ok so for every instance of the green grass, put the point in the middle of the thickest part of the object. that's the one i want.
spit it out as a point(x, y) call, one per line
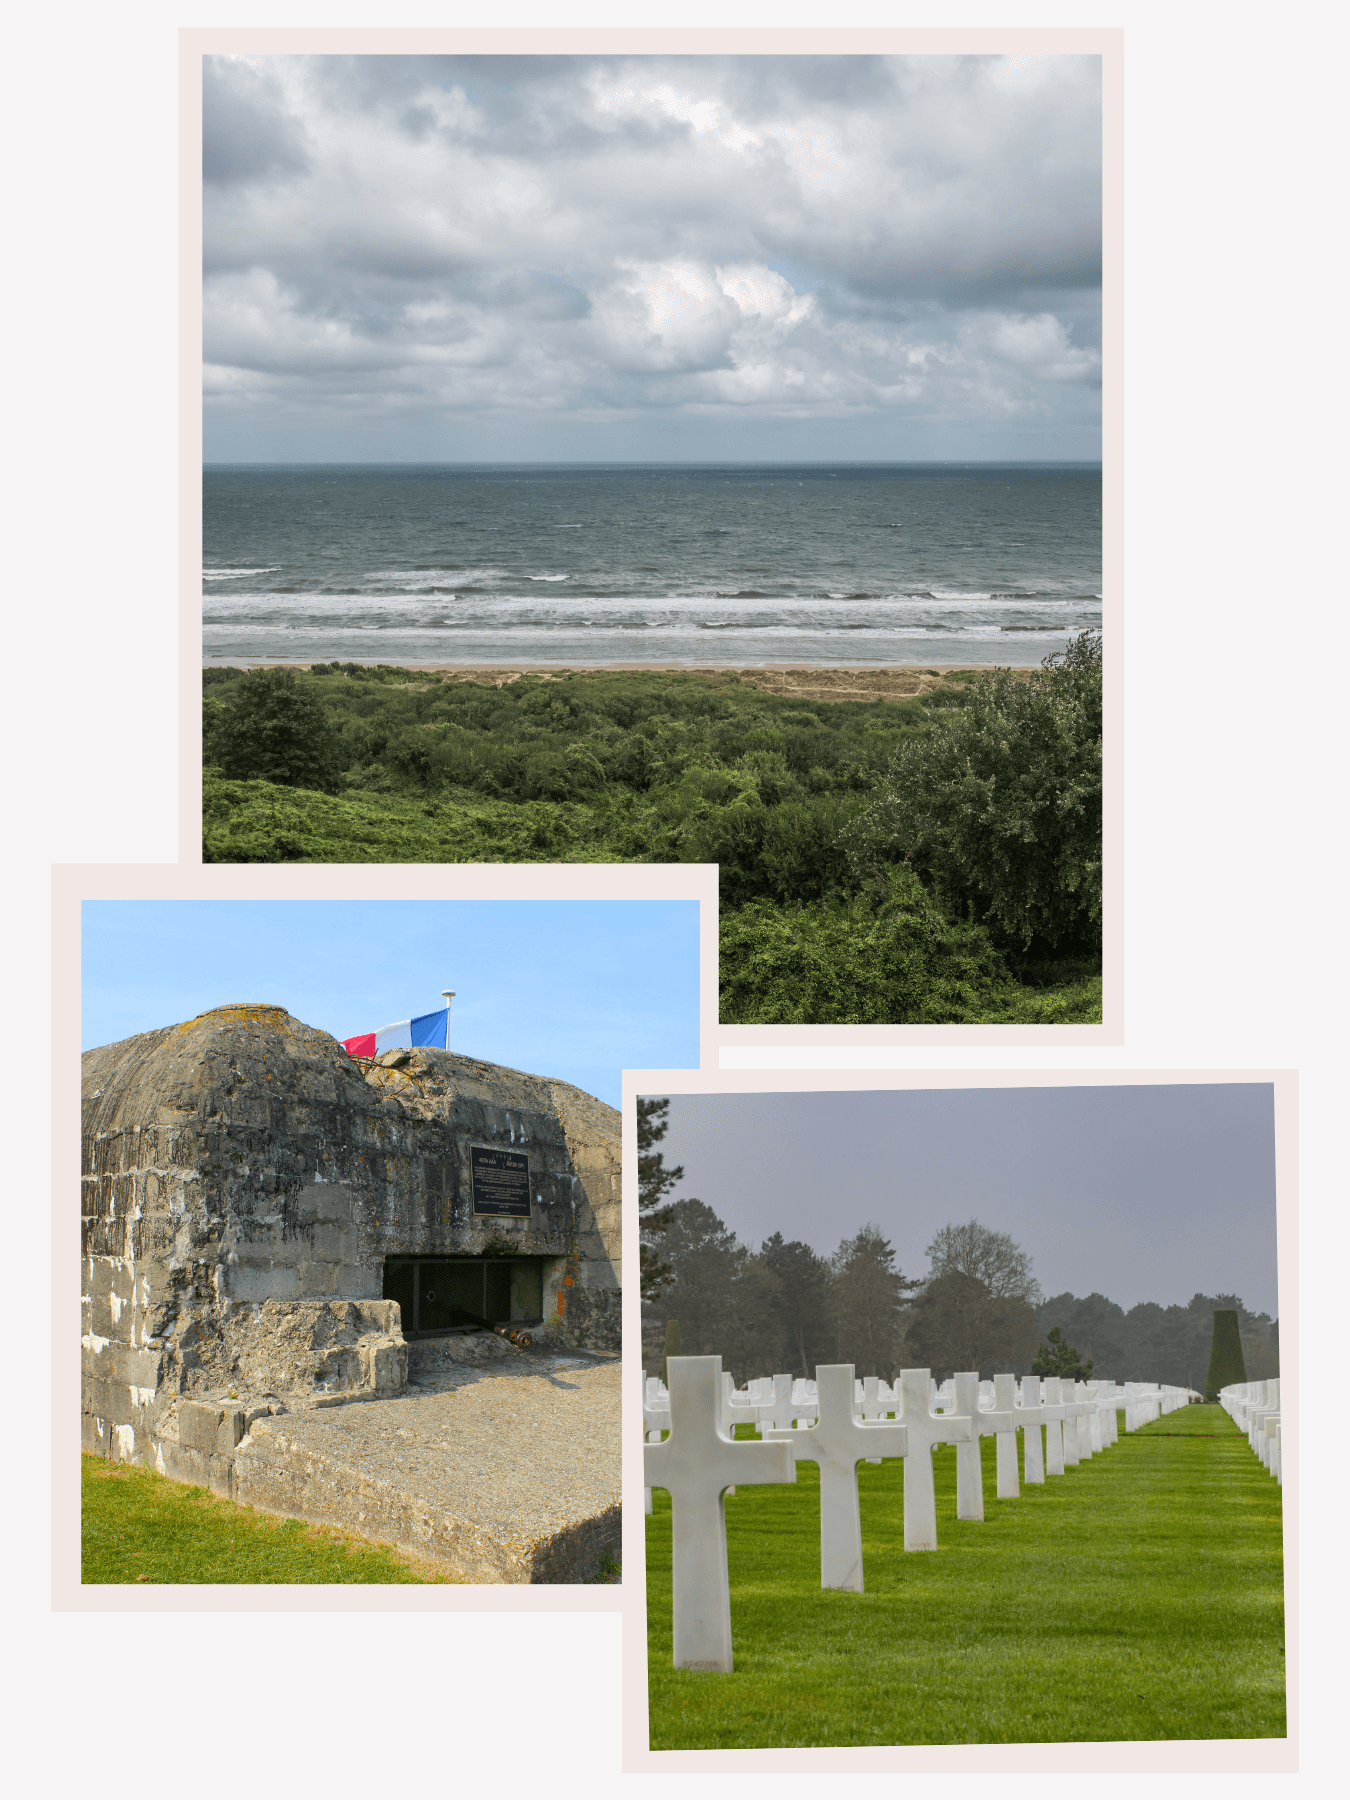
point(1139, 1595)
point(136, 1526)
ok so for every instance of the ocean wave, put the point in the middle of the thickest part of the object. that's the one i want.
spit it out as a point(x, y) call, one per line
point(436, 575)
point(550, 611)
point(234, 574)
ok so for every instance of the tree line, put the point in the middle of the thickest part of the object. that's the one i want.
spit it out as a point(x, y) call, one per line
point(784, 1308)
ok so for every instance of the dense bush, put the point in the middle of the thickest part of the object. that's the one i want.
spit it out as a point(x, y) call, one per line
point(869, 960)
point(271, 727)
point(1001, 804)
point(350, 764)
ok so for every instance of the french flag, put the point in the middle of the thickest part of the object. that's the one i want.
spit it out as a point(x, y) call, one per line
point(432, 1031)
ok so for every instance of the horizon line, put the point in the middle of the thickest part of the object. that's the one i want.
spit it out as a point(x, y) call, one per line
point(651, 463)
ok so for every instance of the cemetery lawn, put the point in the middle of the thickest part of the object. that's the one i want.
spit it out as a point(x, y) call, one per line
point(1139, 1595)
point(137, 1526)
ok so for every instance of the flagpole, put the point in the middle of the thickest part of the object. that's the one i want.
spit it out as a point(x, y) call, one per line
point(447, 995)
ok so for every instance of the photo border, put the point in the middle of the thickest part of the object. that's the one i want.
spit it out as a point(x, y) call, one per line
point(754, 40)
point(72, 885)
point(1247, 1756)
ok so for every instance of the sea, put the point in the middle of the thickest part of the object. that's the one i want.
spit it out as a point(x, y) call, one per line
point(580, 564)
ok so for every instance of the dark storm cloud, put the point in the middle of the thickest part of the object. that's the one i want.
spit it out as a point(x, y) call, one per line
point(778, 237)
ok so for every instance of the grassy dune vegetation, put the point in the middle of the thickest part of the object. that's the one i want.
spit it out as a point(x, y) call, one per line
point(1139, 1595)
point(934, 859)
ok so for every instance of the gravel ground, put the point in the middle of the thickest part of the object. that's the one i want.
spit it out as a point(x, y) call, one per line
point(518, 1450)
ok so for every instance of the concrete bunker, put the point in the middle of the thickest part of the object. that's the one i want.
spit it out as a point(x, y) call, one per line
point(268, 1224)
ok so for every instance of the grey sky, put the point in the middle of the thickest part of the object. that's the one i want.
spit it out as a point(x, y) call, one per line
point(1138, 1193)
point(579, 258)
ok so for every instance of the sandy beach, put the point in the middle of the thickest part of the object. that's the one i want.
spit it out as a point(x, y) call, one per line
point(798, 682)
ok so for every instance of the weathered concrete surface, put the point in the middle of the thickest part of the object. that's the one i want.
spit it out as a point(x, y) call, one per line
point(506, 1471)
point(244, 1182)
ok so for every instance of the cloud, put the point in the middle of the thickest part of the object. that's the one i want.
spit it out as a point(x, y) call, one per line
point(247, 132)
point(776, 237)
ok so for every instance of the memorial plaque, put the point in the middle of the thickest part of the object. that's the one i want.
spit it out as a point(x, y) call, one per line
point(501, 1182)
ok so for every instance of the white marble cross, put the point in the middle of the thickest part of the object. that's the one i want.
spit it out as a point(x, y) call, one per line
point(1005, 1451)
point(780, 1411)
point(696, 1464)
point(1053, 1410)
point(655, 1419)
point(969, 1473)
point(925, 1428)
point(1089, 1441)
point(1076, 1447)
point(655, 1409)
point(838, 1442)
point(1031, 1414)
point(875, 1404)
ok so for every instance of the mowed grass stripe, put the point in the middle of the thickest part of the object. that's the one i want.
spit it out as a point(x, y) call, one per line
point(1139, 1595)
point(136, 1526)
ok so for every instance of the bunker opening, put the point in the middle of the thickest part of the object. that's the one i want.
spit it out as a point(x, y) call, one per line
point(440, 1295)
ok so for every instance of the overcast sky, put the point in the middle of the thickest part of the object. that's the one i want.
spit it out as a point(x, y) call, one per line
point(573, 989)
point(651, 258)
point(1138, 1193)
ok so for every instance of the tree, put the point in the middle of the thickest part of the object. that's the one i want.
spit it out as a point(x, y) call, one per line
point(271, 728)
point(1055, 1357)
point(655, 1181)
point(704, 1261)
point(990, 1257)
point(1225, 1356)
point(957, 1324)
point(671, 1348)
point(865, 1300)
point(1096, 1323)
point(1000, 805)
point(805, 1278)
point(752, 1332)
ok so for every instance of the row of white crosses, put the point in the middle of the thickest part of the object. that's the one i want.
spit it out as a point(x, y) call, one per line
point(1254, 1406)
point(837, 1422)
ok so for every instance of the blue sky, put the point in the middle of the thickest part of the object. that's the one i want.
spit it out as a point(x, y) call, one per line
point(651, 258)
point(577, 990)
point(1138, 1193)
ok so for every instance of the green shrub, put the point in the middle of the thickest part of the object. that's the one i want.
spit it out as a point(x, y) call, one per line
point(1001, 804)
point(888, 958)
point(271, 727)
